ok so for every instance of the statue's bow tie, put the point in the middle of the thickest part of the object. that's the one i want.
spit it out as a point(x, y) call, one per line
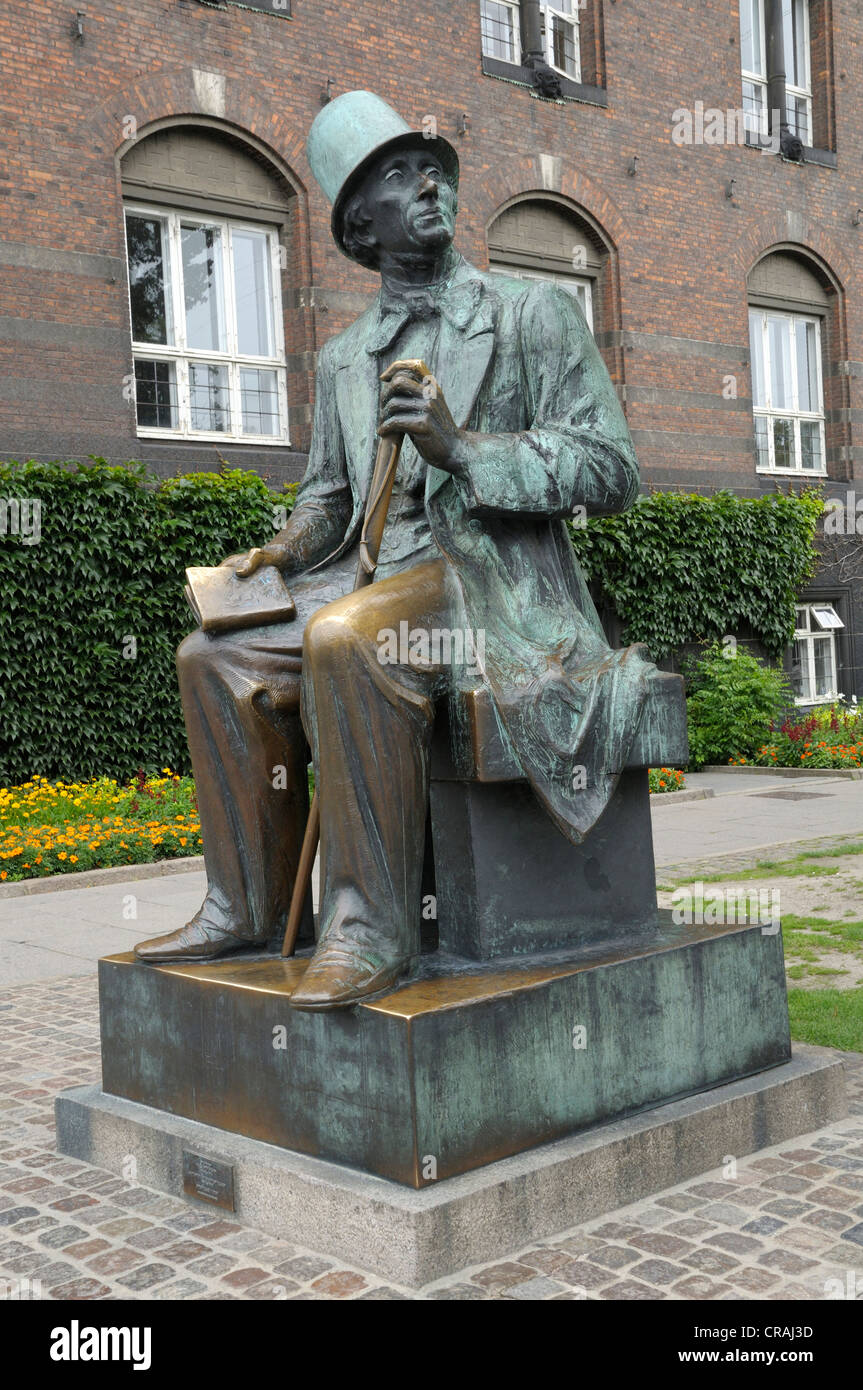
point(457, 303)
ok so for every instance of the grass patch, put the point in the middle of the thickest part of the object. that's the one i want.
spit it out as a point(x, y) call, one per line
point(767, 868)
point(827, 1017)
point(806, 938)
point(846, 936)
point(799, 866)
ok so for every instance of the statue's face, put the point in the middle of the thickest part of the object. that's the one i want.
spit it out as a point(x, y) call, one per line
point(409, 203)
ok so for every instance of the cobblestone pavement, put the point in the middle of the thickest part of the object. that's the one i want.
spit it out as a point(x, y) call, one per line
point(787, 1225)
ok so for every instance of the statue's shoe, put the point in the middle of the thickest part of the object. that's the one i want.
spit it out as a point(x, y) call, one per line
point(337, 977)
point(197, 940)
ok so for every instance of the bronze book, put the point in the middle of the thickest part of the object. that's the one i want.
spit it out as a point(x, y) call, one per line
point(222, 603)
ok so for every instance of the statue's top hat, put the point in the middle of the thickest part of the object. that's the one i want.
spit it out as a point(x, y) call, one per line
point(346, 137)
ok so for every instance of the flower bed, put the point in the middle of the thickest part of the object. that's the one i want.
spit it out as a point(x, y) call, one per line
point(666, 779)
point(64, 827)
point(829, 737)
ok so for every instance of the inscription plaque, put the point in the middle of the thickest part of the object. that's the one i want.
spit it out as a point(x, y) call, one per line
point(209, 1180)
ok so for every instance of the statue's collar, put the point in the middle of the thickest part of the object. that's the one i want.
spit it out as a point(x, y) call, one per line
point(456, 298)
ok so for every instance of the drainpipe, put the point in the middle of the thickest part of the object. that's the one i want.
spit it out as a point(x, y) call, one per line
point(790, 145)
point(532, 49)
point(545, 79)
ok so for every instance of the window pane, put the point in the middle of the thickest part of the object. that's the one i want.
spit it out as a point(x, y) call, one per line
point(797, 109)
point(810, 446)
point(254, 299)
point(779, 350)
point(826, 617)
point(260, 401)
point(156, 395)
point(762, 442)
point(755, 109)
point(794, 31)
point(563, 53)
point(806, 336)
point(499, 31)
point(756, 349)
point(783, 443)
point(202, 287)
point(146, 243)
point(750, 37)
point(800, 671)
point(823, 653)
point(208, 397)
point(582, 291)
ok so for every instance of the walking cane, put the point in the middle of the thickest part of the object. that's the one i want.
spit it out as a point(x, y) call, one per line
point(377, 506)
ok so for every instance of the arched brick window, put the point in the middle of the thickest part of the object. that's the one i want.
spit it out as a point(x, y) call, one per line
point(208, 236)
point(546, 238)
point(797, 384)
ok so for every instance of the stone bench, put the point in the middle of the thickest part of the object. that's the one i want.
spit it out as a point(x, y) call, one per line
point(507, 882)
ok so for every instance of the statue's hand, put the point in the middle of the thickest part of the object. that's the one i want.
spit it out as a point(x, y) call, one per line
point(415, 405)
point(278, 553)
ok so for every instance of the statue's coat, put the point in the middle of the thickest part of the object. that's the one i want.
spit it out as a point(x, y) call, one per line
point(518, 366)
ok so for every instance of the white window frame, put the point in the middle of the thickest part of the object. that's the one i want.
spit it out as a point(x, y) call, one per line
point(579, 286)
point(769, 413)
point(759, 81)
point(549, 11)
point(182, 356)
point(802, 93)
point(809, 631)
point(513, 7)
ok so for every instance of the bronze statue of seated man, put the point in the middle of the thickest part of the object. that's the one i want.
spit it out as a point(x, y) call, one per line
point(516, 428)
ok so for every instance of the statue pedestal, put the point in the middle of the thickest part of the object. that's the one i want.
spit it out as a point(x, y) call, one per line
point(469, 1113)
point(471, 1062)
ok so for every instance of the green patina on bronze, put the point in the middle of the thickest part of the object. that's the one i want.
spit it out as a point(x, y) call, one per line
point(457, 1069)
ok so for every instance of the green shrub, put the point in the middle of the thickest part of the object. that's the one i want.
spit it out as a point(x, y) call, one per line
point(680, 568)
point(732, 699)
point(92, 614)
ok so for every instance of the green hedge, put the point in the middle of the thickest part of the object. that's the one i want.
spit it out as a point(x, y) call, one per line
point(114, 545)
point(681, 568)
point(108, 567)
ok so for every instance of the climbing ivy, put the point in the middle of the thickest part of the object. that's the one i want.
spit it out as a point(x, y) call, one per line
point(680, 568)
point(92, 611)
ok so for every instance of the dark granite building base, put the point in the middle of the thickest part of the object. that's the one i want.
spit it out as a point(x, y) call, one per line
point(465, 1065)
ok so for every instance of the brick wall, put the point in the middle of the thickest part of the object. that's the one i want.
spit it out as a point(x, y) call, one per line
point(675, 285)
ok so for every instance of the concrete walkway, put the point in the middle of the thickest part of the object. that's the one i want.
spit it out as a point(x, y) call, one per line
point(752, 812)
point(52, 935)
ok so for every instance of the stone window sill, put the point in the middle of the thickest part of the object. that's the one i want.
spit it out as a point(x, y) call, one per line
point(522, 77)
point(811, 155)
